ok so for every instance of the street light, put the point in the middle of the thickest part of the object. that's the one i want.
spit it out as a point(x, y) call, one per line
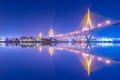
point(107, 22)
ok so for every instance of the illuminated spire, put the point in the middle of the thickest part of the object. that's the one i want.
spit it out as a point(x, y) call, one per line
point(51, 50)
point(40, 35)
point(88, 23)
point(51, 33)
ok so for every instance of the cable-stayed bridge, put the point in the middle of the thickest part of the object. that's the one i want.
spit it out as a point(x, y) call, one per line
point(85, 33)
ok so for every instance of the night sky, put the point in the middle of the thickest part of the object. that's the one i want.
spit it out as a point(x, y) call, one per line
point(29, 17)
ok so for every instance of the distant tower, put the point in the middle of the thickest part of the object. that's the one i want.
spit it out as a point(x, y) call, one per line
point(88, 23)
point(40, 35)
point(51, 32)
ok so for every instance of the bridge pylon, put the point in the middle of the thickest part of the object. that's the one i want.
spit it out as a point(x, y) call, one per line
point(87, 59)
point(88, 25)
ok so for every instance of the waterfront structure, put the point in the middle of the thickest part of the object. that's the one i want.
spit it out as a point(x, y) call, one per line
point(51, 32)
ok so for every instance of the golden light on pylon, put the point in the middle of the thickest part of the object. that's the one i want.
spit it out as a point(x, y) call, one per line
point(89, 64)
point(87, 61)
point(40, 35)
point(51, 50)
point(51, 33)
point(40, 48)
point(88, 23)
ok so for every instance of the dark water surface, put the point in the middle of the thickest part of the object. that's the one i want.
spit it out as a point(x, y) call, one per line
point(60, 63)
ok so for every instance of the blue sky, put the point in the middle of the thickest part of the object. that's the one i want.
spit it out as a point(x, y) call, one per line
point(29, 17)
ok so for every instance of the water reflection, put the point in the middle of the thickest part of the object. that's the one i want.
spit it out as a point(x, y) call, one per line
point(84, 51)
point(40, 49)
point(51, 50)
point(87, 56)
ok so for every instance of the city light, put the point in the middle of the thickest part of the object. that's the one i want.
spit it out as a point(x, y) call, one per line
point(108, 61)
point(76, 32)
point(108, 22)
point(2, 39)
point(99, 58)
point(105, 39)
point(99, 25)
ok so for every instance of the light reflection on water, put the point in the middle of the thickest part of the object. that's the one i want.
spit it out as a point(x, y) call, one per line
point(64, 61)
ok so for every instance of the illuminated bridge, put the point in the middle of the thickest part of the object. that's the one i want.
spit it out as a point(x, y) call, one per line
point(89, 31)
